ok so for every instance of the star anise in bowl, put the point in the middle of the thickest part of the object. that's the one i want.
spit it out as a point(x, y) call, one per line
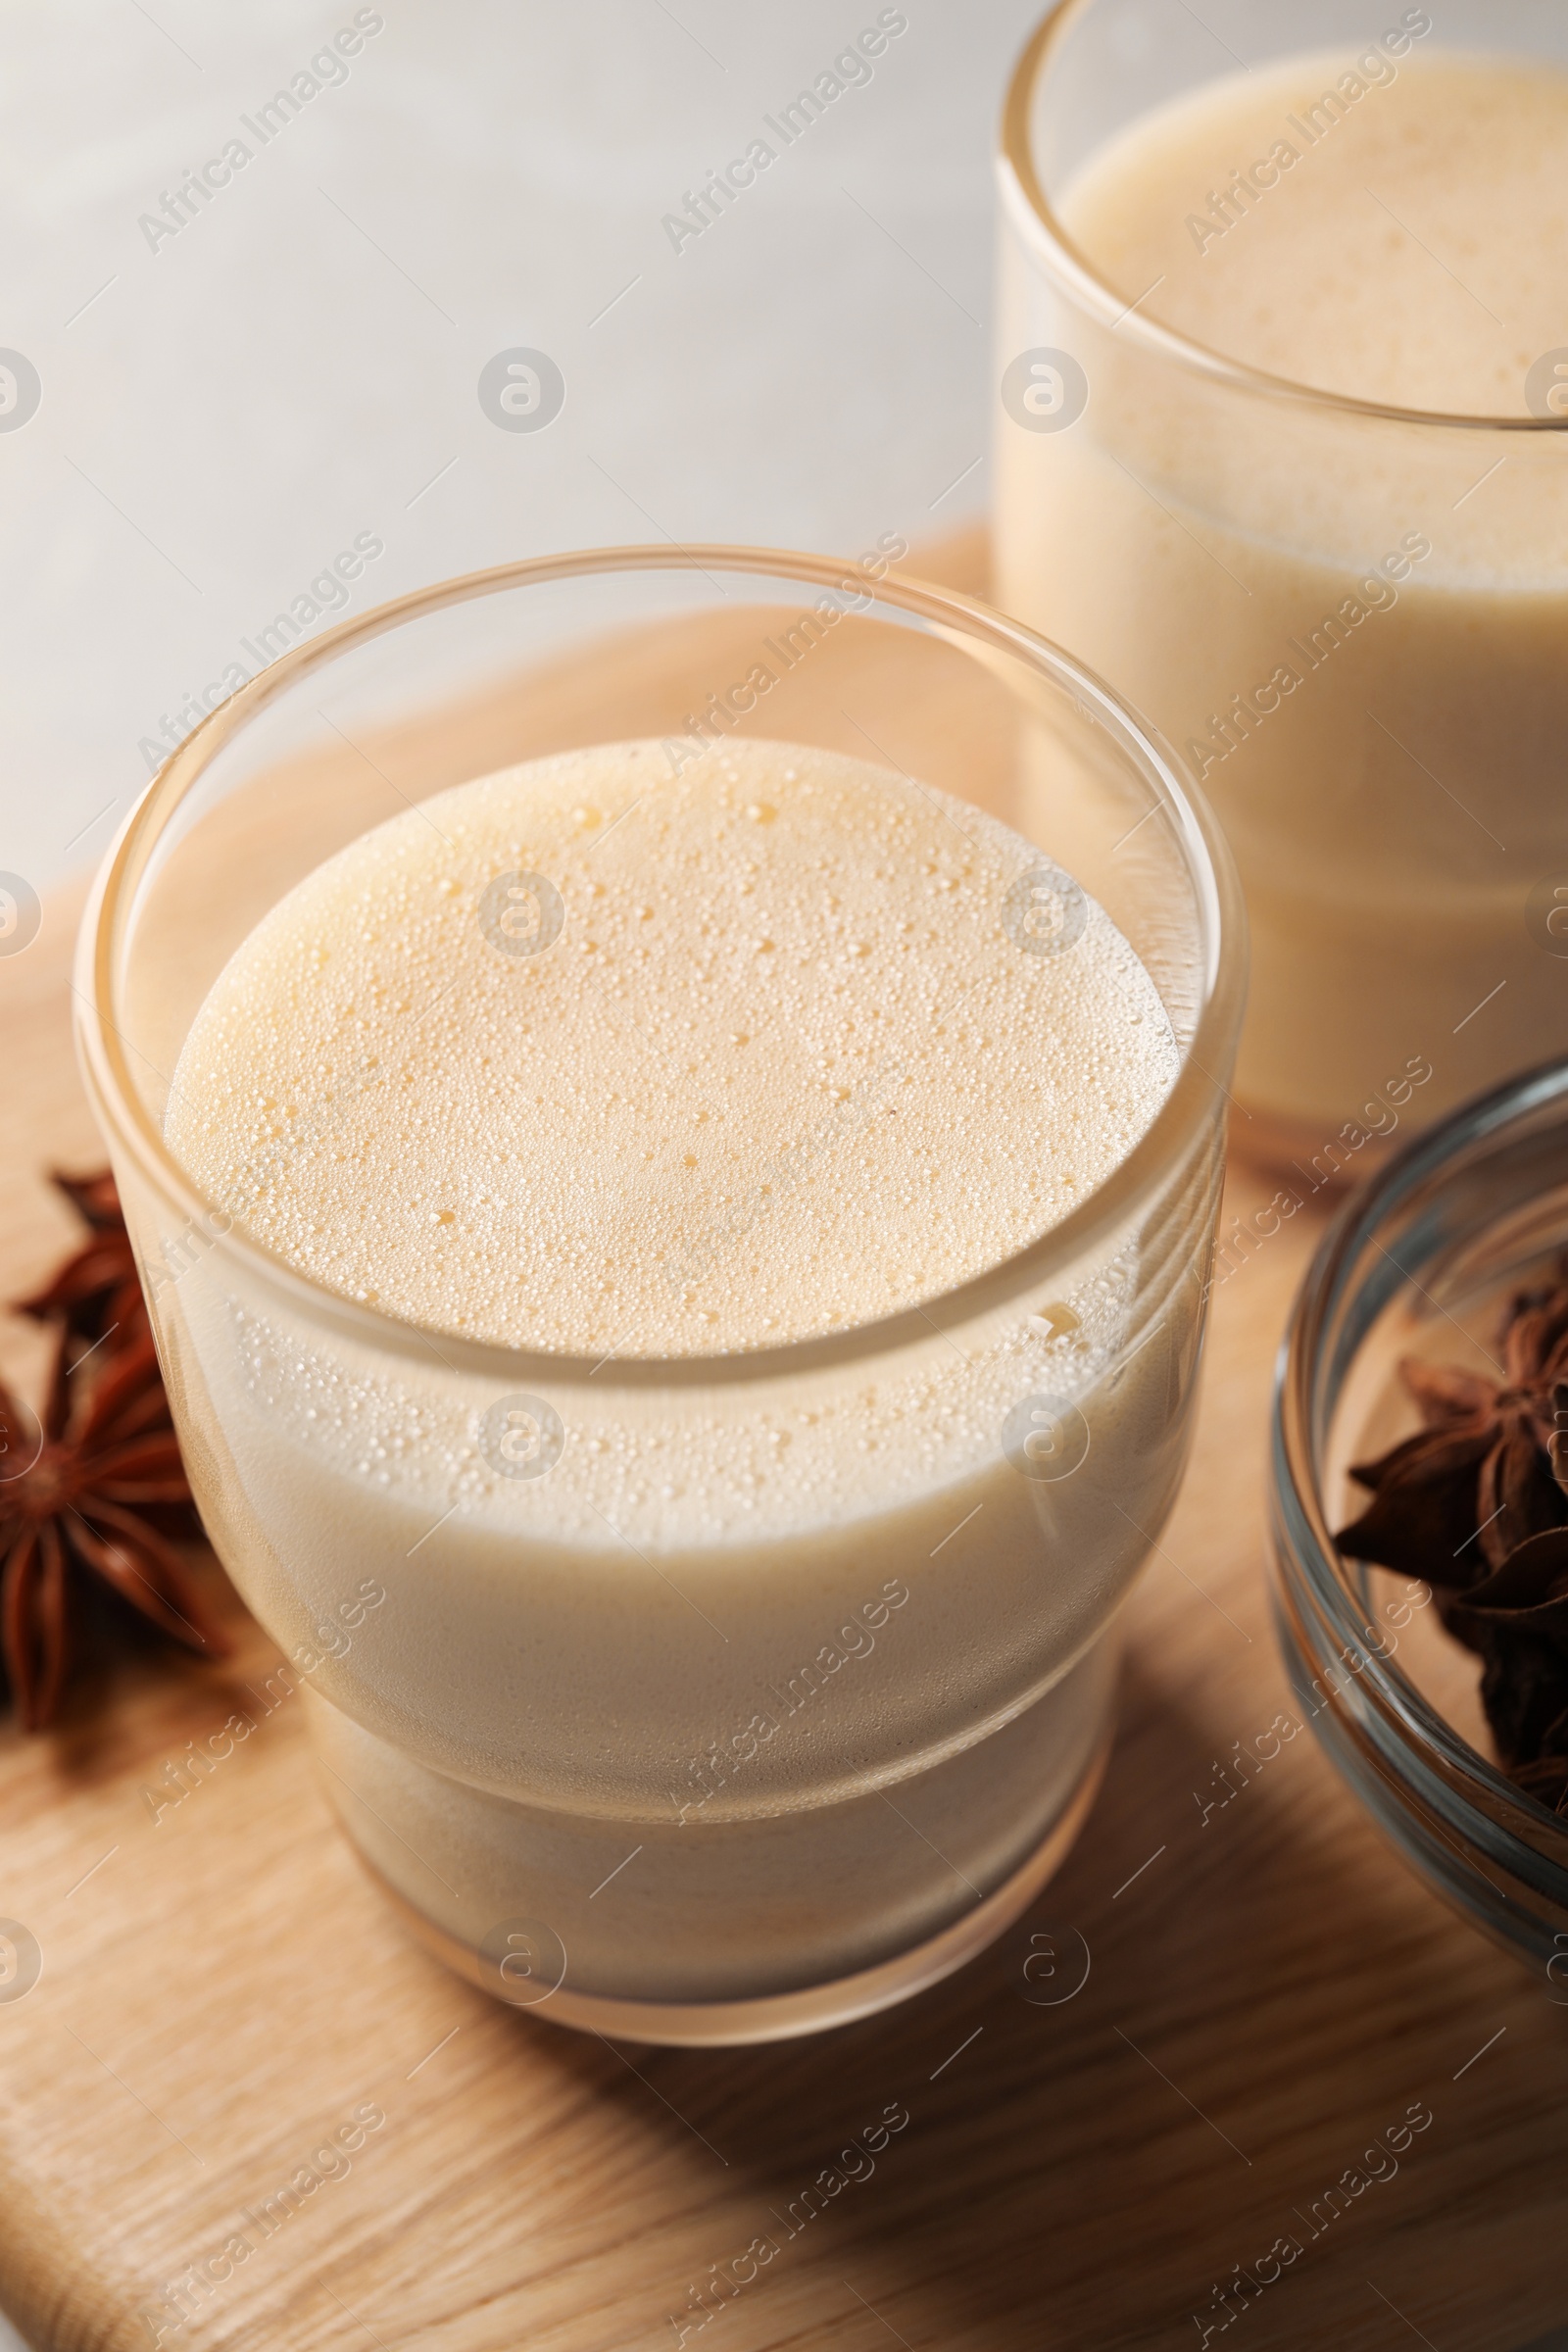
point(1476, 1505)
point(93, 1484)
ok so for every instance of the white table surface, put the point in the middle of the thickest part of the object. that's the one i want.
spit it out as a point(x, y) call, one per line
point(224, 408)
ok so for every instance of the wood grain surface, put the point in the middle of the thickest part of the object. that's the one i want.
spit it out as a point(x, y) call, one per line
point(1268, 1992)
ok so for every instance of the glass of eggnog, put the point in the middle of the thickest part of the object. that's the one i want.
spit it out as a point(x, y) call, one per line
point(669, 1105)
point(1283, 396)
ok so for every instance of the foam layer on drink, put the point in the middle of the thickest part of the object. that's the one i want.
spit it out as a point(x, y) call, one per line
point(1397, 232)
point(591, 1056)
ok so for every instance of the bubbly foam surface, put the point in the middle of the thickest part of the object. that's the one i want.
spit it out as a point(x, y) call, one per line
point(1406, 240)
point(787, 1064)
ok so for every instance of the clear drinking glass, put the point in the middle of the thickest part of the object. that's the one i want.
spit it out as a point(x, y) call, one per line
point(1382, 730)
point(674, 1788)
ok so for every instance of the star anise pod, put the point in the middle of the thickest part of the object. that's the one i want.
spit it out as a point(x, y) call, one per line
point(1454, 1502)
point(1517, 1619)
point(1476, 1505)
point(96, 1291)
point(1546, 1777)
point(93, 1484)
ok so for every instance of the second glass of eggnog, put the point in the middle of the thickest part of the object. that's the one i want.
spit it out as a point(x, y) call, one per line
point(1280, 447)
point(676, 1201)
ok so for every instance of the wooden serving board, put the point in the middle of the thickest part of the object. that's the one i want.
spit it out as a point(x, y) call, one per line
point(224, 2007)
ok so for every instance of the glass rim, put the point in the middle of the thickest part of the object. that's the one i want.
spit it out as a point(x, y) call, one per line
point(1079, 278)
point(1304, 1546)
point(1130, 1187)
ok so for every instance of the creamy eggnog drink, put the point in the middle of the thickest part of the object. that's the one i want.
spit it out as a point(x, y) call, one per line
point(626, 1700)
point(1349, 622)
point(680, 1253)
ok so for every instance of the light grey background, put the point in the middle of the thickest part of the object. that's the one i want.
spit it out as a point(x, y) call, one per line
point(224, 408)
point(222, 413)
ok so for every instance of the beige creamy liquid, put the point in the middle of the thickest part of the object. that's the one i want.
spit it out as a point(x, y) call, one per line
point(782, 1068)
point(1416, 252)
point(1391, 783)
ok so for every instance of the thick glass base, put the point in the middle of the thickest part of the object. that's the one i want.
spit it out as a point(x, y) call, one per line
point(779, 2017)
point(747, 1928)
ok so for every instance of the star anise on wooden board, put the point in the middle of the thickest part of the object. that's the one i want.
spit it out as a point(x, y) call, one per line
point(97, 1289)
point(1474, 1505)
point(94, 1483)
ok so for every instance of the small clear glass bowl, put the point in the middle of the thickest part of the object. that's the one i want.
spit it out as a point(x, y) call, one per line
point(1420, 1262)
